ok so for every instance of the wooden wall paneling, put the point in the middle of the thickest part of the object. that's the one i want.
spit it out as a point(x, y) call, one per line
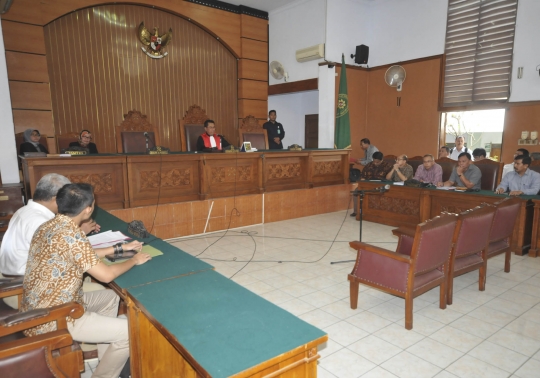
point(27, 67)
point(23, 37)
point(27, 11)
point(252, 69)
point(255, 108)
point(517, 119)
point(41, 120)
point(252, 89)
point(256, 50)
point(254, 28)
point(26, 95)
point(294, 86)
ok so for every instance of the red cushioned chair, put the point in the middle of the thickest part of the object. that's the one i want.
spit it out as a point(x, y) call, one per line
point(418, 265)
point(500, 237)
point(470, 243)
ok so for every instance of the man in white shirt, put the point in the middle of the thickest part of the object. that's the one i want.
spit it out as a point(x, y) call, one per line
point(459, 148)
point(510, 167)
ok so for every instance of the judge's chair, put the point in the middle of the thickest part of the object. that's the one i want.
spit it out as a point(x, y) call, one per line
point(52, 354)
point(130, 133)
point(191, 126)
point(419, 264)
point(19, 139)
point(63, 141)
point(251, 131)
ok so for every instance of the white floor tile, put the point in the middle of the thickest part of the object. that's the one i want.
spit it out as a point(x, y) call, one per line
point(470, 367)
point(346, 364)
point(375, 349)
point(530, 369)
point(498, 356)
point(407, 365)
point(436, 353)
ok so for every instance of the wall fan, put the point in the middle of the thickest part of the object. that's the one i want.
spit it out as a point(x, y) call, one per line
point(277, 71)
point(395, 76)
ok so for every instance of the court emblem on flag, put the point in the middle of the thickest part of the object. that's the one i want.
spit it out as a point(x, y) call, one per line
point(154, 42)
point(342, 105)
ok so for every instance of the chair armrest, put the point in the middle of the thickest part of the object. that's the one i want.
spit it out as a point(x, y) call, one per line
point(408, 231)
point(33, 318)
point(53, 340)
point(11, 287)
point(380, 251)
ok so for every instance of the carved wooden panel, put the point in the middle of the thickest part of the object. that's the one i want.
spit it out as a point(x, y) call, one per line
point(195, 115)
point(102, 183)
point(231, 174)
point(401, 206)
point(279, 171)
point(151, 180)
point(327, 167)
point(134, 120)
point(227, 175)
point(251, 123)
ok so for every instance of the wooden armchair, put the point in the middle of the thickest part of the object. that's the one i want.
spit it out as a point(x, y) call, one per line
point(418, 265)
point(63, 141)
point(390, 159)
point(191, 126)
point(19, 139)
point(251, 131)
point(491, 173)
point(447, 166)
point(52, 354)
point(414, 162)
point(130, 133)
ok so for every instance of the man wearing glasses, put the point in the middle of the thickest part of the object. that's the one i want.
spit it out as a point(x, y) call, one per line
point(429, 172)
point(401, 171)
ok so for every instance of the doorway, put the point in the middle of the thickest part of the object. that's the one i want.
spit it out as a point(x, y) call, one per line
point(311, 139)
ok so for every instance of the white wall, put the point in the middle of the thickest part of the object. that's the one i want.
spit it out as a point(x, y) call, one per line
point(296, 26)
point(291, 110)
point(526, 52)
point(327, 100)
point(8, 151)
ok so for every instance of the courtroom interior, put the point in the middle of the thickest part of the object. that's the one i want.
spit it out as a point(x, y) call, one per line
point(302, 256)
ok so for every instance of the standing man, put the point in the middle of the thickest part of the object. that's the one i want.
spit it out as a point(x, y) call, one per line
point(444, 151)
point(459, 148)
point(429, 172)
point(209, 141)
point(59, 255)
point(369, 150)
point(465, 174)
point(275, 131)
point(522, 180)
point(401, 171)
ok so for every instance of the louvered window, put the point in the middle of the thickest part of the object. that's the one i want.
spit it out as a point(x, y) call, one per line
point(478, 51)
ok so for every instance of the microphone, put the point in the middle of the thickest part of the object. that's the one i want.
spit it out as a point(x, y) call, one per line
point(145, 134)
point(383, 188)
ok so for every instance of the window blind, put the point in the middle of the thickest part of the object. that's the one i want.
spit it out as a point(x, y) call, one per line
point(478, 51)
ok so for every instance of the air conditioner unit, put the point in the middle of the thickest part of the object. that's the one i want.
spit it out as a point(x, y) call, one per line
point(310, 53)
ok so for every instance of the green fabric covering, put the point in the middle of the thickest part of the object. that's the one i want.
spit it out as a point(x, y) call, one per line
point(173, 263)
point(224, 326)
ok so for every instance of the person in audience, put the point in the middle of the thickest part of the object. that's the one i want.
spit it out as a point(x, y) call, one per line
point(510, 167)
point(401, 171)
point(275, 130)
point(31, 142)
point(61, 250)
point(459, 148)
point(369, 150)
point(375, 170)
point(479, 154)
point(444, 151)
point(429, 172)
point(85, 141)
point(535, 156)
point(210, 141)
point(522, 180)
point(465, 174)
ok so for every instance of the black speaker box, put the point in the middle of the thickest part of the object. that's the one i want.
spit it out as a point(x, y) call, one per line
point(362, 54)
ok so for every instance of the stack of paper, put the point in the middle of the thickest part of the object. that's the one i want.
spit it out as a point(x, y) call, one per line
point(106, 239)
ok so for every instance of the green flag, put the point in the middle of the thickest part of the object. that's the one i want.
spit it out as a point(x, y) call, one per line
point(342, 137)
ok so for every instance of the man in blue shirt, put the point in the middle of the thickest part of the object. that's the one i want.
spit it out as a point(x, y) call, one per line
point(522, 180)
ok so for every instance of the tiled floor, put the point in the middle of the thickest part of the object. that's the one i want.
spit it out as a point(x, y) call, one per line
point(495, 333)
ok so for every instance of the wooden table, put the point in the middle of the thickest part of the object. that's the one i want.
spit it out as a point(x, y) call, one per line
point(402, 206)
point(132, 180)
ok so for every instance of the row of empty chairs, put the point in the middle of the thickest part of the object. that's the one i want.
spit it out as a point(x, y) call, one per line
point(435, 252)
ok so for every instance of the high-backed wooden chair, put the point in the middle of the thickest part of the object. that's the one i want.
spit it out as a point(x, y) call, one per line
point(191, 126)
point(63, 141)
point(414, 162)
point(491, 173)
point(447, 166)
point(19, 139)
point(390, 159)
point(251, 131)
point(535, 166)
point(130, 133)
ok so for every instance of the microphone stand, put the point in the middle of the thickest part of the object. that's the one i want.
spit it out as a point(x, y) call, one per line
point(361, 194)
point(146, 137)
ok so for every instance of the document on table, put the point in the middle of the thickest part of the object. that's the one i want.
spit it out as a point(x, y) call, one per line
point(106, 239)
point(152, 251)
point(399, 183)
point(446, 187)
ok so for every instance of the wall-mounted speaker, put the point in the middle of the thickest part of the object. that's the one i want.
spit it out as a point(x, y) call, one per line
point(362, 54)
point(4, 5)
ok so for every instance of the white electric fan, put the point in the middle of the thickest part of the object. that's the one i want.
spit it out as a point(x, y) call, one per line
point(395, 76)
point(277, 71)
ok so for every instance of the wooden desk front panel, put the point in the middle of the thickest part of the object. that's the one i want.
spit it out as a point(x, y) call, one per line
point(328, 168)
point(285, 171)
point(230, 174)
point(178, 175)
point(106, 173)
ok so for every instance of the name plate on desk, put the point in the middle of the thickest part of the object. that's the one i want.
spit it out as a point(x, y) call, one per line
point(76, 152)
point(158, 151)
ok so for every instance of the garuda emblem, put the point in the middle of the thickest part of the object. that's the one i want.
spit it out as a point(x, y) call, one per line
point(154, 42)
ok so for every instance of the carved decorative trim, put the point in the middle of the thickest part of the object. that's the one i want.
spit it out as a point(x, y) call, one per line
point(169, 179)
point(195, 115)
point(394, 205)
point(135, 121)
point(277, 171)
point(102, 183)
point(327, 167)
point(230, 174)
point(251, 123)
point(453, 209)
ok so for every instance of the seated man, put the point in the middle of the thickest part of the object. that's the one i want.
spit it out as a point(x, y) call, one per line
point(369, 150)
point(376, 170)
point(59, 255)
point(429, 172)
point(510, 167)
point(465, 174)
point(479, 154)
point(444, 151)
point(85, 141)
point(401, 171)
point(210, 141)
point(522, 180)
